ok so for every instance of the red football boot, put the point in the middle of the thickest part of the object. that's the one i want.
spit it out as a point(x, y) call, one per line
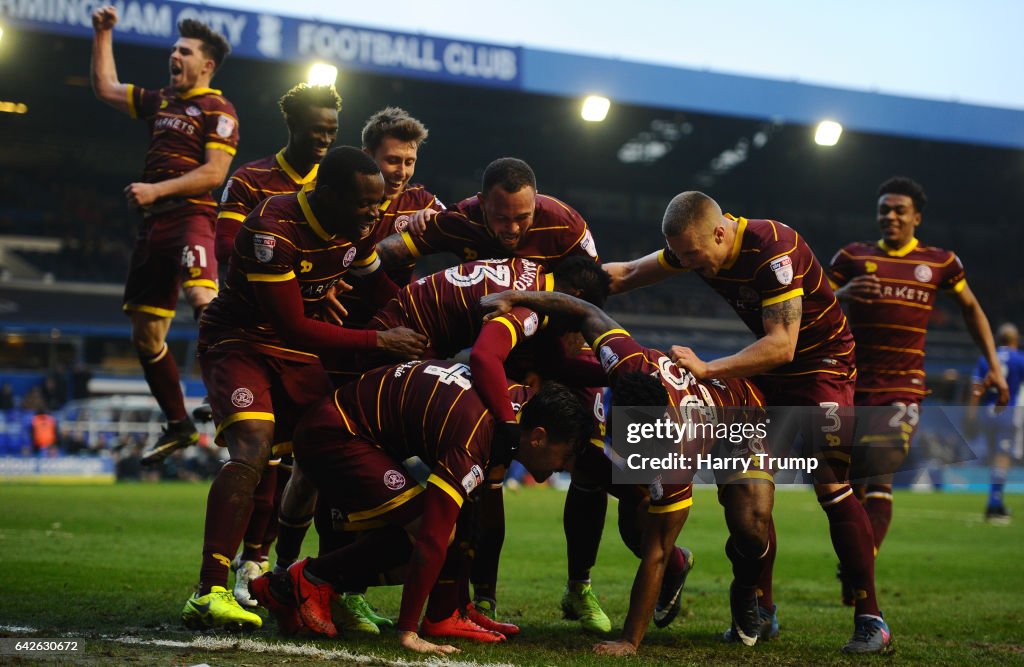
point(488, 623)
point(458, 625)
point(281, 602)
point(313, 601)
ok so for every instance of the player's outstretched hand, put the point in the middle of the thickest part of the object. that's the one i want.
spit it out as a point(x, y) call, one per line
point(994, 380)
point(863, 289)
point(333, 310)
point(104, 18)
point(404, 342)
point(498, 304)
point(413, 642)
point(418, 221)
point(619, 647)
point(688, 360)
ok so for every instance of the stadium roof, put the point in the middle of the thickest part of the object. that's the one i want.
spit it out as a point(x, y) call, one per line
point(275, 37)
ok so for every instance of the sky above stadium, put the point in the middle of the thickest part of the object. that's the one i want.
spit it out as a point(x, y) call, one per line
point(952, 50)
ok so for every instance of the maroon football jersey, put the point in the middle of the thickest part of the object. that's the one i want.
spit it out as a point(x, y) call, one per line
point(890, 331)
point(255, 181)
point(557, 232)
point(771, 263)
point(445, 306)
point(430, 410)
point(182, 127)
point(619, 353)
point(280, 240)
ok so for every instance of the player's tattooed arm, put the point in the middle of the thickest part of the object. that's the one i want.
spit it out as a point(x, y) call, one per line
point(394, 252)
point(591, 320)
point(786, 312)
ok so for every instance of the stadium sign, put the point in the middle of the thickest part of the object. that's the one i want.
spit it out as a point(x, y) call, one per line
point(271, 37)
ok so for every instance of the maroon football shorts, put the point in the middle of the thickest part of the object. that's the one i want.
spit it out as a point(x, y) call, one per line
point(887, 418)
point(172, 250)
point(363, 485)
point(243, 383)
point(827, 433)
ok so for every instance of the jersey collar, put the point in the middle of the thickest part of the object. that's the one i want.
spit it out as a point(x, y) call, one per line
point(737, 243)
point(196, 92)
point(899, 252)
point(294, 175)
point(311, 218)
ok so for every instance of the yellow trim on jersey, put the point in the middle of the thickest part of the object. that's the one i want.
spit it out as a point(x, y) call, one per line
point(201, 282)
point(737, 243)
point(898, 252)
point(510, 327)
point(387, 203)
point(152, 310)
point(198, 91)
point(833, 284)
point(663, 263)
point(959, 287)
point(384, 508)
point(270, 277)
point(290, 170)
point(366, 261)
point(280, 449)
point(231, 215)
point(407, 239)
point(785, 296)
point(549, 285)
point(311, 218)
point(132, 111)
point(217, 146)
point(596, 442)
point(597, 341)
point(241, 417)
point(446, 487)
point(668, 509)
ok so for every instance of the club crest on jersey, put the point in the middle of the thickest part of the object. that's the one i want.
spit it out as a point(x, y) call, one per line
point(349, 256)
point(225, 126)
point(473, 479)
point(241, 398)
point(923, 273)
point(394, 480)
point(530, 325)
point(783, 269)
point(193, 110)
point(401, 223)
point(608, 358)
point(263, 247)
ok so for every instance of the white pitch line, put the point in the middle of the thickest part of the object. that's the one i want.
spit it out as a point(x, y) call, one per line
point(297, 650)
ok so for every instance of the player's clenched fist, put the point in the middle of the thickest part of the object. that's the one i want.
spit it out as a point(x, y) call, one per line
point(104, 18)
point(403, 342)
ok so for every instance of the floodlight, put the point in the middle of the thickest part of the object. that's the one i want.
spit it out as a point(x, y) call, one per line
point(828, 133)
point(595, 108)
point(322, 74)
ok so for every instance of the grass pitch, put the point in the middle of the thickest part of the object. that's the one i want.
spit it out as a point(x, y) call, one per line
point(114, 565)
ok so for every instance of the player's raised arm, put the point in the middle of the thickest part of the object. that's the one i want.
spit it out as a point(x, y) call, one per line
point(640, 272)
point(104, 71)
point(591, 320)
point(394, 251)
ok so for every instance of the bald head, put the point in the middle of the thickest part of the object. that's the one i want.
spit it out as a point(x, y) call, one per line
point(690, 210)
point(1007, 335)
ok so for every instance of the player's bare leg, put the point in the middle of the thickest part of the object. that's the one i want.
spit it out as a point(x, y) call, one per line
point(750, 548)
point(149, 337)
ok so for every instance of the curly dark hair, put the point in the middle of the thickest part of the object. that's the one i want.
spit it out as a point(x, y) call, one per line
point(305, 95)
point(638, 388)
point(512, 174)
point(583, 274)
point(556, 408)
point(215, 45)
point(901, 185)
point(392, 122)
